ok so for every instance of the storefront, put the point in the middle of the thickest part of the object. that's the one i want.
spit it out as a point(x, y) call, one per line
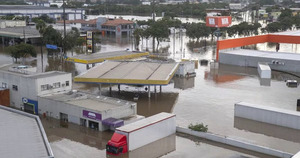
point(93, 119)
point(30, 106)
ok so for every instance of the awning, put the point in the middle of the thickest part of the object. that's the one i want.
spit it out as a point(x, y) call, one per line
point(113, 122)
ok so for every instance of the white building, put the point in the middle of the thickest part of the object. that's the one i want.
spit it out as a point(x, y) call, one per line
point(36, 11)
point(12, 23)
point(25, 85)
point(235, 6)
point(97, 112)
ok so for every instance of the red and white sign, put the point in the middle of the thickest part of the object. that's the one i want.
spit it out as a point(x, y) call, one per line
point(218, 21)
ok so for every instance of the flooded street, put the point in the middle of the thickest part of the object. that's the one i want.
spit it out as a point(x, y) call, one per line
point(78, 142)
point(208, 98)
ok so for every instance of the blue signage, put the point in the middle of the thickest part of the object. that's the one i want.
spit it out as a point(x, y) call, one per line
point(31, 103)
point(49, 46)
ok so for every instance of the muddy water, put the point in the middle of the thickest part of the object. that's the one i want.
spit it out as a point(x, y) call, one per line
point(209, 98)
point(78, 142)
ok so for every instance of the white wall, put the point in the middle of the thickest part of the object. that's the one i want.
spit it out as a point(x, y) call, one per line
point(62, 78)
point(150, 133)
point(30, 87)
point(52, 108)
point(271, 115)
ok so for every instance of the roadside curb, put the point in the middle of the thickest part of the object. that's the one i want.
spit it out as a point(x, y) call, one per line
point(235, 143)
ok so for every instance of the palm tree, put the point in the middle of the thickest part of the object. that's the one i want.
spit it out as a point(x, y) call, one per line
point(41, 26)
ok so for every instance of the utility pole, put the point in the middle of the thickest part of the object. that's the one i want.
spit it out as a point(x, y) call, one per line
point(64, 18)
point(153, 16)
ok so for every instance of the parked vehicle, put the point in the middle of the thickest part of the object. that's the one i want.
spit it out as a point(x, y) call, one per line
point(140, 133)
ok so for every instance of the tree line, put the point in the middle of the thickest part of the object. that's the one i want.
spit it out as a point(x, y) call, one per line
point(196, 31)
point(285, 21)
point(49, 35)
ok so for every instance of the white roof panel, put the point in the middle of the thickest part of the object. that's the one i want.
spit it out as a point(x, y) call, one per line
point(145, 122)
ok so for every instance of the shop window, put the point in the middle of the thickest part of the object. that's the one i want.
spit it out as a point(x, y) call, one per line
point(15, 87)
point(67, 83)
point(4, 85)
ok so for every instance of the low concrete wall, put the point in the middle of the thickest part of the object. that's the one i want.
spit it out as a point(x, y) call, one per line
point(235, 143)
point(271, 115)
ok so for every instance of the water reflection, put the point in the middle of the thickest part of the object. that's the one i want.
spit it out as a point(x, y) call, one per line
point(83, 135)
point(267, 129)
point(265, 81)
point(159, 102)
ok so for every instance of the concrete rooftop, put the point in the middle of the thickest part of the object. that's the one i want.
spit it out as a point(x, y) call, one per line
point(18, 32)
point(288, 33)
point(144, 73)
point(263, 54)
point(28, 72)
point(89, 101)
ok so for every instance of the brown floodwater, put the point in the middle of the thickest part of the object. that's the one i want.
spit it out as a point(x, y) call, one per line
point(208, 98)
point(78, 142)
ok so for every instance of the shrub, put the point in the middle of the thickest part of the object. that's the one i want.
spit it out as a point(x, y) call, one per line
point(198, 127)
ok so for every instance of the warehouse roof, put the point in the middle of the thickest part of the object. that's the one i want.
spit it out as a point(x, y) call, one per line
point(145, 122)
point(18, 32)
point(89, 101)
point(22, 135)
point(143, 73)
point(100, 57)
point(28, 71)
point(264, 54)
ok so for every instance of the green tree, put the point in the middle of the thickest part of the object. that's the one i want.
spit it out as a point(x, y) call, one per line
point(285, 13)
point(71, 38)
point(21, 51)
point(159, 30)
point(273, 27)
point(45, 18)
point(269, 9)
point(197, 31)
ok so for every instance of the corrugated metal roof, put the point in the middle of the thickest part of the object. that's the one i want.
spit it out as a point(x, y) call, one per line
point(22, 135)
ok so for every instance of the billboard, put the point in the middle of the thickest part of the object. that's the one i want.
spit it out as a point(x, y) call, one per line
point(218, 21)
point(89, 41)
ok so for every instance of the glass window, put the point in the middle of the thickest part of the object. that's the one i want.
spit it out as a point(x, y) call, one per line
point(67, 83)
point(44, 87)
point(4, 85)
point(15, 87)
point(56, 85)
